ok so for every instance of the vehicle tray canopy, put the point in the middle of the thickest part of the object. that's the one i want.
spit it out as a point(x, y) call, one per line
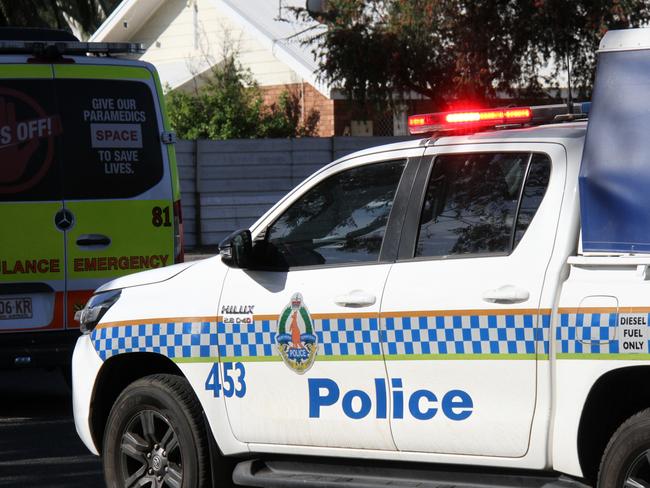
point(615, 169)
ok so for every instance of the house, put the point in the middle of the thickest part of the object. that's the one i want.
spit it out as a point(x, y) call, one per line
point(184, 39)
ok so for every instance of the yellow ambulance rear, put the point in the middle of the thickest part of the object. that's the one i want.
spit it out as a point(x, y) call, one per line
point(88, 186)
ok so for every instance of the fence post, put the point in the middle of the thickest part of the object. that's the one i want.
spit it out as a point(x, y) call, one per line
point(197, 194)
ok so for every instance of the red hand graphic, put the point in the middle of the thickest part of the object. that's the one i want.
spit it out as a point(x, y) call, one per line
point(14, 156)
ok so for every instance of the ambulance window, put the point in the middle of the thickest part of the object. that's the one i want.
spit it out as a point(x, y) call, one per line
point(111, 138)
point(534, 190)
point(471, 204)
point(340, 220)
point(29, 124)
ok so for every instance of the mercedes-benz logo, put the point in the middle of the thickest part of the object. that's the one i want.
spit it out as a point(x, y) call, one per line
point(64, 219)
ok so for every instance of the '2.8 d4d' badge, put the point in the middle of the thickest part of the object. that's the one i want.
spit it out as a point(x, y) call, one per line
point(296, 338)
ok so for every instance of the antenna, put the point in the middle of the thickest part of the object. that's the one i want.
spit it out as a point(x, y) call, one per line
point(279, 17)
point(569, 100)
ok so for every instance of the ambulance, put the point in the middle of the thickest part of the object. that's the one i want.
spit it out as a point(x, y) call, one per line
point(470, 309)
point(88, 184)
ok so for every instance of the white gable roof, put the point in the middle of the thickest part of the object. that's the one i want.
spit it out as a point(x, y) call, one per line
point(126, 19)
point(277, 28)
point(269, 22)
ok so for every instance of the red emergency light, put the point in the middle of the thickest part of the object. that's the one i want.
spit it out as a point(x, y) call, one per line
point(467, 120)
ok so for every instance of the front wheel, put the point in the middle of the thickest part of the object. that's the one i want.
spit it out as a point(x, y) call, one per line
point(155, 436)
point(626, 462)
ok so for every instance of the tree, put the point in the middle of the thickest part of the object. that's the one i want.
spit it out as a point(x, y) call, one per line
point(230, 106)
point(469, 50)
point(84, 15)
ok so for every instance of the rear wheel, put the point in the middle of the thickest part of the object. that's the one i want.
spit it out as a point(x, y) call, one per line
point(155, 437)
point(626, 462)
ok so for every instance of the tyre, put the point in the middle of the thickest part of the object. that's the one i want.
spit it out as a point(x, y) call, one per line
point(626, 462)
point(155, 436)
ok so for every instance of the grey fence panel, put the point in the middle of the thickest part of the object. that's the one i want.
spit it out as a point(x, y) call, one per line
point(185, 159)
point(346, 145)
point(234, 182)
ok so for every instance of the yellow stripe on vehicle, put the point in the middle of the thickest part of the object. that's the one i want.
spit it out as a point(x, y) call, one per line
point(25, 71)
point(85, 71)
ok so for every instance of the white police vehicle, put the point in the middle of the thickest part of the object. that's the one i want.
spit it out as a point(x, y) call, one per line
point(406, 313)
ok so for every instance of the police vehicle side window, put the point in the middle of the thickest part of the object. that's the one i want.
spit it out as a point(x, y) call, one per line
point(473, 201)
point(340, 220)
point(534, 191)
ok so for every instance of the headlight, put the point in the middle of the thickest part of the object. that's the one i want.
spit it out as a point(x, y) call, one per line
point(95, 309)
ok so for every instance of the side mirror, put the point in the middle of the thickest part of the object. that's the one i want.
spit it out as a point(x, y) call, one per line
point(236, 250)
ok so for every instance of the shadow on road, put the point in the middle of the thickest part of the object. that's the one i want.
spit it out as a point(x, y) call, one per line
point(39, 446)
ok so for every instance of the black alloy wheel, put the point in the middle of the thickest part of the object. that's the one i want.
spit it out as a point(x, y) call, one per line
point(638, 475)
point(155, 437)
point(626, 461)
point(150, 454)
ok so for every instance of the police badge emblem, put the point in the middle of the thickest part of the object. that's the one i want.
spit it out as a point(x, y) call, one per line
point(296, 338)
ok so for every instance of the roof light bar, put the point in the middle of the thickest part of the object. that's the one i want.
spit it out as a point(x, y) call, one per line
point(445, 121)
point(59, 48)
point(474, 120)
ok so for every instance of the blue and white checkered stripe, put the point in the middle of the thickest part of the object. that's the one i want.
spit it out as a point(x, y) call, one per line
point(587, 333)
point(172, 339)
point(466, 334)
point(348, 337)
point(336, 337)
point(247, 340)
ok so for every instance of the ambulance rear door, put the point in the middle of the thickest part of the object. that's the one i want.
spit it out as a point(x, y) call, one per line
point(32, 267)
point(117, 174)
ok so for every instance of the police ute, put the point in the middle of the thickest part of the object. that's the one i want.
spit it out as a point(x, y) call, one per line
point(470, 309)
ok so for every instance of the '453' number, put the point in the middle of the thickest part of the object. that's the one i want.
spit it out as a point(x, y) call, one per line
point(234, 380)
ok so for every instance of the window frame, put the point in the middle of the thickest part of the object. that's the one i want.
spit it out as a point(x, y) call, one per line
point(392, 235)
point(410, 238)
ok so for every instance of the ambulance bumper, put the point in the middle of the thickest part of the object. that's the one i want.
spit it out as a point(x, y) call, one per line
point(42, 349)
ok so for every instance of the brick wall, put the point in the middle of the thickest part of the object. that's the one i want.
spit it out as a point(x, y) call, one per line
point(312, 99)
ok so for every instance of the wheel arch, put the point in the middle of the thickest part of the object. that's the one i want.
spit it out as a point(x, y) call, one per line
point(613, 398)
point(116, 374)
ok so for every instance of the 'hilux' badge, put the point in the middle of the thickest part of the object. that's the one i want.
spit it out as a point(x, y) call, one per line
point(296, 338)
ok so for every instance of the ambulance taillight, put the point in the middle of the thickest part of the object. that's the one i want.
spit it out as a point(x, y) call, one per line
point(179, 242)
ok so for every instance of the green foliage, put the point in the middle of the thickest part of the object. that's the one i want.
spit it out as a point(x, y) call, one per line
point(284, 118)
point(466, 50)
point(230, 106)
point(88, 14)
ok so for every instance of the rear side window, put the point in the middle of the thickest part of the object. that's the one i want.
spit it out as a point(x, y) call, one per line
point(478, 203)
point(111, 138)
point(29, 126)
point(534, 191)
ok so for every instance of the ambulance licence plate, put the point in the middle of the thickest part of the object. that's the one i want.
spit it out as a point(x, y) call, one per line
point(16, 308)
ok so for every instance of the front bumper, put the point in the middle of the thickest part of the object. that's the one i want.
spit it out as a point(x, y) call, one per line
point(86, 364)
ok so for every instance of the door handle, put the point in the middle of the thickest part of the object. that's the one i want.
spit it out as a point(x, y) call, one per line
point(356, 298)
point(506, 294)
point(93, 241)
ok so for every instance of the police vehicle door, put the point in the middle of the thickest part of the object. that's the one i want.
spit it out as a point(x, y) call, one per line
point(300, 348)
point(464, 308)
point(32, 268)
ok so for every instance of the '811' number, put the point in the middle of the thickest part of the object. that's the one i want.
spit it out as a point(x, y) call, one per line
point(234, 380)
